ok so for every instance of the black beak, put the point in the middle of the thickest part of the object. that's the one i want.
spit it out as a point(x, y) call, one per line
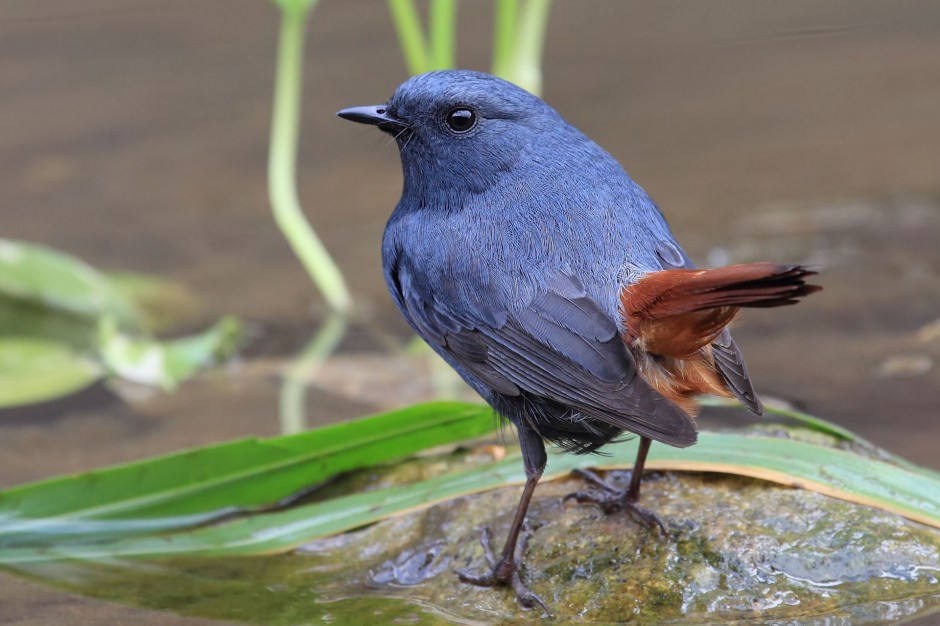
point(374, 115)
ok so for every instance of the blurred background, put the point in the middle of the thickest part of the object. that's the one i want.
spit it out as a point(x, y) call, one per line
point(134, 136)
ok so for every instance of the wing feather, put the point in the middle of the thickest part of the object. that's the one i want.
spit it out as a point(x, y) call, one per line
point(561, 347)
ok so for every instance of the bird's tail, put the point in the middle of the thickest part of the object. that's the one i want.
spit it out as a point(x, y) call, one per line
point(677, 312)
point(673, 315)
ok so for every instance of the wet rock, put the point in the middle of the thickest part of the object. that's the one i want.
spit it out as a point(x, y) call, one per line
point(737, 549)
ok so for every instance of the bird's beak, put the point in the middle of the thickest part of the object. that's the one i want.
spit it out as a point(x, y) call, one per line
point(374, 115)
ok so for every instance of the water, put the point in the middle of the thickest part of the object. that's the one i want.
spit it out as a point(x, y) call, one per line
point(135, 137)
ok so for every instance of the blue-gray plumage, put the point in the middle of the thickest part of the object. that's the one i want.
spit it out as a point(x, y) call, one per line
point(517, 251)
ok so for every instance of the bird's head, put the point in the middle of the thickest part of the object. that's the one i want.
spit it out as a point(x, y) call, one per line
point(461, 129)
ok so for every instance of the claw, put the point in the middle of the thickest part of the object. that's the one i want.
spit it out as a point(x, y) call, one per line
point(609, 504)
point(645, 517)
point(505, 572)
point(614, 500)
point(524, 596)
point(595, 480)
point(485, 538)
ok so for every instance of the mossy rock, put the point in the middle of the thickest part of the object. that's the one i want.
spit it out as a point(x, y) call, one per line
point(737, 551)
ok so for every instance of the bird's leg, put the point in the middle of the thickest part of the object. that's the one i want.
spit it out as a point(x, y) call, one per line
point(614, 499)
point(506, 570)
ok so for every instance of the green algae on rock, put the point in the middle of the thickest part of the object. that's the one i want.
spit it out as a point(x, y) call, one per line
point(737, 549)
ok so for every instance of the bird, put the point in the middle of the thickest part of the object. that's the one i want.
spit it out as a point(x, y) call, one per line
point(533, 264)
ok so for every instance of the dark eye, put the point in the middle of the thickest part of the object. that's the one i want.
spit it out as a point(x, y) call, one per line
point(461, 119)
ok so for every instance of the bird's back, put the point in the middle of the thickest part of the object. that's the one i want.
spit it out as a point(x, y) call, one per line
point(572, 209)
point(519, 249)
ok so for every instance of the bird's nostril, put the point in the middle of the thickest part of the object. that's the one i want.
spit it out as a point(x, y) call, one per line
point(380, 111)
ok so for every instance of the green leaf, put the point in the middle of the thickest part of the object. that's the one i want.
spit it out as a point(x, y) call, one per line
point(36, 370)
point(58, 281)
point(165, 363)
point(55, 309)
point(790, 462)
point(114, 507)
point(818, 424)
point(805, 419)
point(193, 486)
point(29, 319)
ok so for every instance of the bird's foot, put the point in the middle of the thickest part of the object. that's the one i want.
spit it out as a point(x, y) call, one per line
point(505, 572)
point(610, 500)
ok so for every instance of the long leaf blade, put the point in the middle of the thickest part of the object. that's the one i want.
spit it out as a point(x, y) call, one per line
point(790, 462)
point(58, 281)
point(236, 475)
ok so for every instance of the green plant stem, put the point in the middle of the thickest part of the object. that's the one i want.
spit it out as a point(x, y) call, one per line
point(410, 36)
point(282, 162)
point(504, 34)
point(443, 33)
point(519, 36)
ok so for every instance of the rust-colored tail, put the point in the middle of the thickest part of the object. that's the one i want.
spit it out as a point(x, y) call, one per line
point(673, 314)
point(678, 312)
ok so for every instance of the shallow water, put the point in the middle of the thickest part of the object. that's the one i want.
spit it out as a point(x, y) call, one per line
point(135, 137)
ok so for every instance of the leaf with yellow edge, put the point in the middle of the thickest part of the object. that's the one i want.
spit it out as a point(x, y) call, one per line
point(834, 472)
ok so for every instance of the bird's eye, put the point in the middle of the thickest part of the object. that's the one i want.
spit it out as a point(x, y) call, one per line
point(461, 119)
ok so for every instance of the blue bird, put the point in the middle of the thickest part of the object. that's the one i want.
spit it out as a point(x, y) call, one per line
point(529, 260)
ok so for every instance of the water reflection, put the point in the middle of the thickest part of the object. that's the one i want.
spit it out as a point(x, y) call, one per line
point(304, 368)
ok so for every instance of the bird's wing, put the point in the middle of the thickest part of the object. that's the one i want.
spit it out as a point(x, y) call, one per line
point(730, 364)
point(562, 347)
